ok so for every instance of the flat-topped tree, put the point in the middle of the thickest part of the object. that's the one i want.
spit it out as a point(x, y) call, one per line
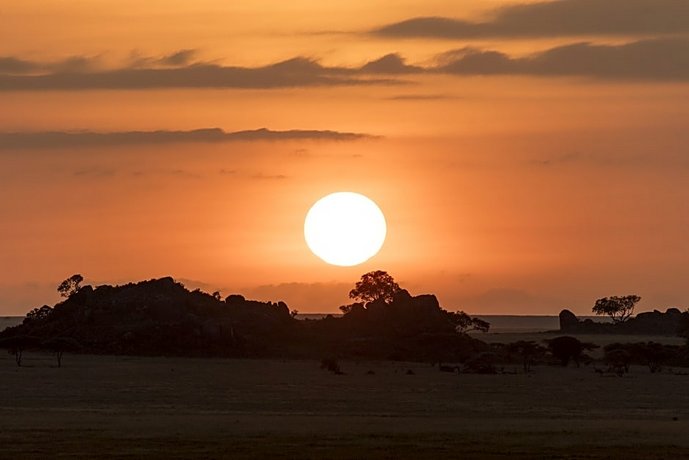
point(619, 309)
point(374, 286)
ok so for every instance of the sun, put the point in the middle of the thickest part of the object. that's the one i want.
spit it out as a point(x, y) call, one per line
point(345, 229)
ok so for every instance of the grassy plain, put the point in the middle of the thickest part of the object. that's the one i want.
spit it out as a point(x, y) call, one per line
point(133, 407)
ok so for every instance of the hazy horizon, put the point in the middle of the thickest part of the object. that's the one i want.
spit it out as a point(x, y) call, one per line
point(527, 158)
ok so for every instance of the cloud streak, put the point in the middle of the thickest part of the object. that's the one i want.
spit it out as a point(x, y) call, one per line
point(555, 19)
point(648, 59)
point(660, 59)
point(63, 139)
point(296, 72)
point(17, 66)
point(654, 59)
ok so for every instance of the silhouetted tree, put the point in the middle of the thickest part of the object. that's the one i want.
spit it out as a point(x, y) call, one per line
point(620, 309)
point(59, 345)
point(465, 323)
point(38, 314)
point(235, 299)
point(70, 286)
point(618, 360)
point(656, 354)
point(16, 345)
point(528, 350)
point(374, 286)
point(567, 349)
point(652, 354)
point(216, 295)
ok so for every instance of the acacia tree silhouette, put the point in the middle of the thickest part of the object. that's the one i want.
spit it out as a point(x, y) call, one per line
point(619, 309)
point(374, 286)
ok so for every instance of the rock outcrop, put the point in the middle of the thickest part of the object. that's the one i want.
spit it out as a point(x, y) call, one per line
point(162, 317)
point(649, 323)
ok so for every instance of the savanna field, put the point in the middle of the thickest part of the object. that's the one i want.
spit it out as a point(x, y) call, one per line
point(134, 407)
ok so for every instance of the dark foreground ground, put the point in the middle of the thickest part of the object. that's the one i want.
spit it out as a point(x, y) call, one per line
point(121, 407)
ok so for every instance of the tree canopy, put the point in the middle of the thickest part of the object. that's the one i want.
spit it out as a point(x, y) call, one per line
point(374, 286)
point(619, 309)
point(70, 286)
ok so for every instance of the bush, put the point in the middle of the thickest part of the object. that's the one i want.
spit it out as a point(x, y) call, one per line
point(566, 349)
point(482, 363)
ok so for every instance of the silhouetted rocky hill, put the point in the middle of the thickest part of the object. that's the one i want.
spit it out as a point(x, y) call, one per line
point(652, 323)
point(162, 317)
point(408, 328)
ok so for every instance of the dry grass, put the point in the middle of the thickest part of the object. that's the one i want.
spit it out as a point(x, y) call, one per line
point(122, 407)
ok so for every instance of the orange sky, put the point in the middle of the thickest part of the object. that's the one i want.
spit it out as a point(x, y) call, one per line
point(517, 174)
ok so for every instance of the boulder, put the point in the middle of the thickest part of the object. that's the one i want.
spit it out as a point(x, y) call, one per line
point(568, 321)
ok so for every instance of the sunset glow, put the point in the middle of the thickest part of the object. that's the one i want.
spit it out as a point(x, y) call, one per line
point(526, 158)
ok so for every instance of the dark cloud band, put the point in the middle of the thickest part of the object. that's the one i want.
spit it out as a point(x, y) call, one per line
point(54, 139)
point(562, 18)
point(297, 72)
point(662, 59)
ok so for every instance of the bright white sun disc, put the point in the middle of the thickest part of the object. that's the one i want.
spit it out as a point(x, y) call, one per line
point(345, 229)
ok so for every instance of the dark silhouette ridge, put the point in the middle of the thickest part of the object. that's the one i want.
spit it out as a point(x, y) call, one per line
point(162, 317)
point(650, 323)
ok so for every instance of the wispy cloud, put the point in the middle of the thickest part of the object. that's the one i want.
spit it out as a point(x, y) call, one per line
point(180, 58)
point(555, 19)
point(651, 59)
point(648, 59)
point(74, 64)
point(658, 59)
point(390, 64)
point(62, 139)
point(176, 71)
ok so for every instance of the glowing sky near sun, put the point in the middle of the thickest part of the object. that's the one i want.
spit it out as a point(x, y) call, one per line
point(522, 167)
